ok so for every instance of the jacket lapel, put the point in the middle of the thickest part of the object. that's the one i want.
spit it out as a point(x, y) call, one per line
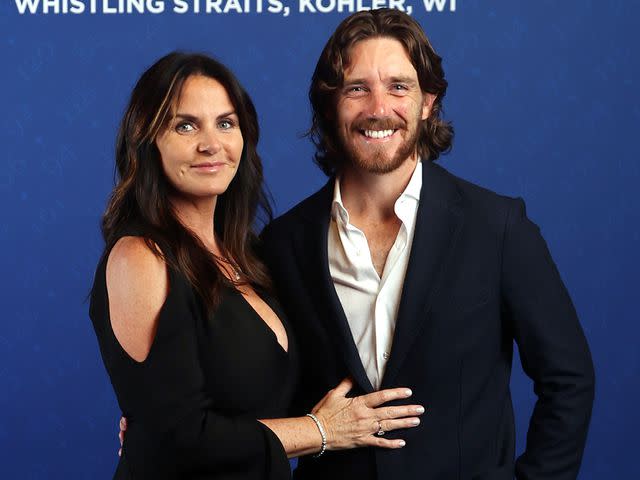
point(311, 251)
point(439, 219)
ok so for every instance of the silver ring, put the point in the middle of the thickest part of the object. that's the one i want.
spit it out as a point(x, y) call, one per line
point(380, 431)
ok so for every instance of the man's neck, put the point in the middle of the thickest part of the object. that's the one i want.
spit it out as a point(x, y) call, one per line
point(373, 196)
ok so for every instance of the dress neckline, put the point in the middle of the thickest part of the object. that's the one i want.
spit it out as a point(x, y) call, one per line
point(237, 293)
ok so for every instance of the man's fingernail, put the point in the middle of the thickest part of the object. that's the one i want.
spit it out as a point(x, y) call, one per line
point(401, 443)
point(408, 392)
point(420, 410)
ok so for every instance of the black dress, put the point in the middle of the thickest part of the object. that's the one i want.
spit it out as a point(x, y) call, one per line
point(192, 404)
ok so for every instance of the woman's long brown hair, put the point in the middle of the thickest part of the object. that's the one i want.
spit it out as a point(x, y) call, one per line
point(140, 199)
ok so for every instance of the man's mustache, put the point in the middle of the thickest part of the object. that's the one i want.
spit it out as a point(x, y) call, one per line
point(384, 123)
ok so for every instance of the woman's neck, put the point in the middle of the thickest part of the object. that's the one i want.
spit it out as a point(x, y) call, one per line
point(197, 215)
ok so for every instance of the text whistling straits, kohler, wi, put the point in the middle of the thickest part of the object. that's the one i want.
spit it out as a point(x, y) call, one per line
point(124, 7)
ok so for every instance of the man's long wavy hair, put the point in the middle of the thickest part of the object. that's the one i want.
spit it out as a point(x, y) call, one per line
point(140, 199)
point(435, 136)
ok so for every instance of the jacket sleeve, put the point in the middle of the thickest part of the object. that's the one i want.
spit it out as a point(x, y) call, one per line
point(553, 351)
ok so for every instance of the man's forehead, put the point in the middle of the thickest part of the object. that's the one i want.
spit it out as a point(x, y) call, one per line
point(382, 56)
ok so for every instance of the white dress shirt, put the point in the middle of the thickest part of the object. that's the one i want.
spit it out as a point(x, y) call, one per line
point(371, 303)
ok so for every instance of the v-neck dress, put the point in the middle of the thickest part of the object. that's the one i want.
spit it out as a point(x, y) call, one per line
point(192, 405)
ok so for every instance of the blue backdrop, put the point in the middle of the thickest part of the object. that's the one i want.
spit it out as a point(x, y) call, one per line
point(544, 99)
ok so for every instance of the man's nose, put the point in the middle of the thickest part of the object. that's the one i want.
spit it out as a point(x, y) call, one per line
point(377, 106)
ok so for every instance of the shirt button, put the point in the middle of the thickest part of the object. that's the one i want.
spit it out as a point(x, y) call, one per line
point(385, 355)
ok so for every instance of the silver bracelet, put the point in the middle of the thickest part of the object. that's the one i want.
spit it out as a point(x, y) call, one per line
point(322, 433)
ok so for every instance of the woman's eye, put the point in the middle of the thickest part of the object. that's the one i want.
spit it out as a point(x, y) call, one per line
point(184, 127)
point(225, 124)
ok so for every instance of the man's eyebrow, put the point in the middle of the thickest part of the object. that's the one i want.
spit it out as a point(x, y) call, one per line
point(354, 81)
point(402, 79)
point(397, 79)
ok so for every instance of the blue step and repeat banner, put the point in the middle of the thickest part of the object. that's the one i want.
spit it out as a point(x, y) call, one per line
point(544, 99)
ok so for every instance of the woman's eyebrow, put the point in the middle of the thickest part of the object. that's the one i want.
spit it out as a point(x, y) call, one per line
point(228, 114)
point(186, 116)
point(192, 118)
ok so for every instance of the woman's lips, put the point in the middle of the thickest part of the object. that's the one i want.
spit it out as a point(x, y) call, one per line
point(208, 166)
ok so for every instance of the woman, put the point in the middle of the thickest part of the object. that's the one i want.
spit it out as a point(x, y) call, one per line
point(198, 352)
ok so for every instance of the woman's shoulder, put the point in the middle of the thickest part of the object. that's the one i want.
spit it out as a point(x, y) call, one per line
point(135, 269)
point(136, 246)
point(136, 254)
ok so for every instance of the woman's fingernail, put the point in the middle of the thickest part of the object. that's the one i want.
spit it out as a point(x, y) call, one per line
point(408, 392)
point(401, 443)
point(420, 410)
point(415, 421)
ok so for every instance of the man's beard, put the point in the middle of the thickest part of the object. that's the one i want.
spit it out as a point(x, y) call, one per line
point(375, 159)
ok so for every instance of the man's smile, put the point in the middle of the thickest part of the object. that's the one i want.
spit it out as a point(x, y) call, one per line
point(378, 134)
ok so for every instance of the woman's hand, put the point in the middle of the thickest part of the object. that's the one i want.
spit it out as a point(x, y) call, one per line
point(357, 422)
point(123, 428)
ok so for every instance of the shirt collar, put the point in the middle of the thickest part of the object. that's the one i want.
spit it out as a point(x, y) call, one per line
point(337, 207)
point(415, 183)
point(412, 191)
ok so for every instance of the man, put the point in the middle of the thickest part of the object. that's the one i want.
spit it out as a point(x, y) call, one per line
point(397, 273)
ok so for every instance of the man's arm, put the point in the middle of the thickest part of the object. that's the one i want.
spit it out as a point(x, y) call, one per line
point(553, 351)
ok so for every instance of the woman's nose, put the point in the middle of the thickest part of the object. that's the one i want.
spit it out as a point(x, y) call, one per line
point(208, 143)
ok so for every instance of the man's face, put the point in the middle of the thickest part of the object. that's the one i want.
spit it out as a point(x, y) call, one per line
point(380, 106)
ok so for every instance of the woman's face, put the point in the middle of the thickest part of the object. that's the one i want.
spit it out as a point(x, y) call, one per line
point(201, 147)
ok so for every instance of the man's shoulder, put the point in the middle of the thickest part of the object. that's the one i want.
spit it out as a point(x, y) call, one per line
point(308, 210)
point(472, 196)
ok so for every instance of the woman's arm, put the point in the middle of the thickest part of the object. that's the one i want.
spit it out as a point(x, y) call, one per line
point(138, 285)
point(300, 435)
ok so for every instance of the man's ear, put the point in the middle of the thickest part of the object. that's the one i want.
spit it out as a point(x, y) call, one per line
point(427, 104)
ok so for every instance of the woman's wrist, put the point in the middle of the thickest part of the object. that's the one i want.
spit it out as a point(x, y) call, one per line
point(323, 434)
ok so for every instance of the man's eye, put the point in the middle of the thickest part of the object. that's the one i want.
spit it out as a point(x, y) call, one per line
point(184, 127)
point(399, 87)
point(355, 90)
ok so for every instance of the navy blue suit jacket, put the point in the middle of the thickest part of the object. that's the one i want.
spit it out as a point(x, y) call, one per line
point(479, 277)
